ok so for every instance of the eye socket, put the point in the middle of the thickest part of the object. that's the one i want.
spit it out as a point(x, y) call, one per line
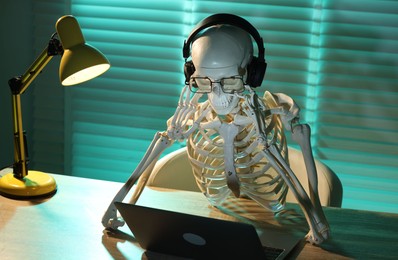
point(200, 85)
point(233, 84)
point(203, 83)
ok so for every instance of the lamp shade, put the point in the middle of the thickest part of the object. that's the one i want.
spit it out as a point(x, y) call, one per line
point(80, 61)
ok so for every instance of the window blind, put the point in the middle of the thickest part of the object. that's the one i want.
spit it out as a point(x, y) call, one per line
point(337, 59)
point(115, 117)
point(356, 100)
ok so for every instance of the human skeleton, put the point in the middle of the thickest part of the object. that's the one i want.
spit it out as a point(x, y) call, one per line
point(235, 140)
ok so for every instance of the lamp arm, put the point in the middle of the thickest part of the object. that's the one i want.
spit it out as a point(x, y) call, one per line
point(18, 85)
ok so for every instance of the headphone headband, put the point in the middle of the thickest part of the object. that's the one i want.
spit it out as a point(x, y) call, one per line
point(229, 19)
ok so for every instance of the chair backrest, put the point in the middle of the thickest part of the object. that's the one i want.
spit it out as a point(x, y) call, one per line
point(174, 171)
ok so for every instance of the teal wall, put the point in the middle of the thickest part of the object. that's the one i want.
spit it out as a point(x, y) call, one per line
point(16, 52)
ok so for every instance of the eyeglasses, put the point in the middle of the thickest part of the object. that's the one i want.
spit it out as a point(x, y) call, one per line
point(228, 85)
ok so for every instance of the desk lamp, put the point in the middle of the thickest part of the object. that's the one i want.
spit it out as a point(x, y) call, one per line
point(80, 62)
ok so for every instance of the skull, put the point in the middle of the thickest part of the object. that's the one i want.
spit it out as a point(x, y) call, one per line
point(220, 52)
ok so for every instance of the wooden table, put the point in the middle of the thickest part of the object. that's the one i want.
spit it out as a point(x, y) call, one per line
point(68, 225)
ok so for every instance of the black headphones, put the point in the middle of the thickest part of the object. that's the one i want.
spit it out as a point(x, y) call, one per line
point(255, 69)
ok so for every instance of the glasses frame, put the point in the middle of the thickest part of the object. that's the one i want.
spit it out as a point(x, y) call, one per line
point(220, 82)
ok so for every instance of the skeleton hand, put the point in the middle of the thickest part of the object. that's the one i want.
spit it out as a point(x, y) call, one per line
point(287, 109)
point(274, 103)
point(181, 124)
point(255, 109)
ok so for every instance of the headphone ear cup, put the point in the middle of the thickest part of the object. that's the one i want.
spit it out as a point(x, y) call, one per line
point(189, 69)
point(255, 72)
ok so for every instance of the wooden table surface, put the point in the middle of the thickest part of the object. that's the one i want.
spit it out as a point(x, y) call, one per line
point(68, 225)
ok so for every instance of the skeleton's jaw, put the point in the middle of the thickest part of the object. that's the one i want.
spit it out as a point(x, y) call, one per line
point(223, 104)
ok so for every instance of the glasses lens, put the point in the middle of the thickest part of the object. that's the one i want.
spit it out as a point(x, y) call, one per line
point(233, 84)
point(200, 85)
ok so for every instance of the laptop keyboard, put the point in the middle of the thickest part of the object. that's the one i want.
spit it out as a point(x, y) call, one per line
point(272, 252)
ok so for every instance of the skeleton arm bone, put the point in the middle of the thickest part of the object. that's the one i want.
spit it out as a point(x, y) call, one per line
point(301, 135)
point(181, 126)
point(289, 112)
point(178, 123)
point(162, 143)
point(319, 229)
point(158, 145)
point(175, 131)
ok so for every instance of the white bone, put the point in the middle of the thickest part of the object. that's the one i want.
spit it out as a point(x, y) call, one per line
point(176, 130)
point(301, 134)
point(158, 145)
point(318, 230)
point(228, 132)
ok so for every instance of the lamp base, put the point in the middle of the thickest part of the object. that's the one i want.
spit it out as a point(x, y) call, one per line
point(35, 184)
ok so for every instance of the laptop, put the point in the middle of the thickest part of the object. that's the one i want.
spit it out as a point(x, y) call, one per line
point(194, 237)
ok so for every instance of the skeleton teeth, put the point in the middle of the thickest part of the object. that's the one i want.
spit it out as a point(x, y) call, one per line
point(222, 102)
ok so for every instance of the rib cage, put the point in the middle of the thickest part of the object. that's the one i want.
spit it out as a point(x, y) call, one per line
point(258, 179)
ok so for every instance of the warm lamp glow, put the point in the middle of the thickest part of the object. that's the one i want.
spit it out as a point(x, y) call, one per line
point(80, 62)
point(83, 75)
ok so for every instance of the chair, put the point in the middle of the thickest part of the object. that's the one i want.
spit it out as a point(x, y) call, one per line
point(174, 171)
